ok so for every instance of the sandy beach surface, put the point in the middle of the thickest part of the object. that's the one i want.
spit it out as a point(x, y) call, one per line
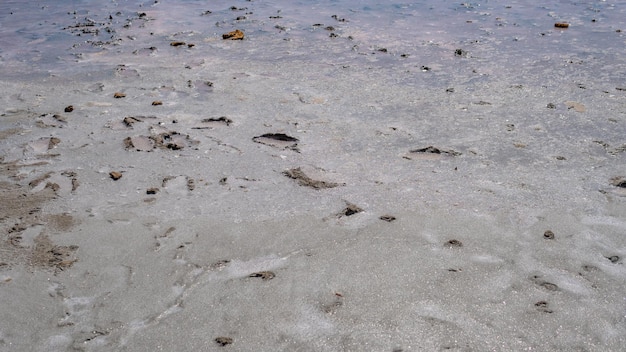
point(345, 177)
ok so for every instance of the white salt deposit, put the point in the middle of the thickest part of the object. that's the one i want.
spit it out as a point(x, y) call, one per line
point(474, 152)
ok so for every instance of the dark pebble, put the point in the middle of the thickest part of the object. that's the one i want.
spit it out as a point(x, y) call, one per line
point(265, 275)
point(542, 306)
point(453, 243)
point(223, 341)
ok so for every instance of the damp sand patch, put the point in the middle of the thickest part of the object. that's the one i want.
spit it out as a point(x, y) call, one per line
point(304, 180)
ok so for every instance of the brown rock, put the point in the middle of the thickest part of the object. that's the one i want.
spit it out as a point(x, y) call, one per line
point(115, 175)
point(561, 25)
point(234, 35)
point(118, 95)
point(69, 108)
point(157, 102)
point(53, 142)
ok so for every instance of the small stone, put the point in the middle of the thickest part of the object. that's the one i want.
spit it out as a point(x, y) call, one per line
point(69, 108)
point(350, 210)
point(234, 35)
point(130, 120)
point(53, 142)
point(265, 275)
point(223, 341)
point(548, 235)
point(118, 95)
point(542, 306)
point(453, 243)
point(177, 43)
point(387, 218)
point(561, 25)
point(152, 190)
point(460, 52)
point(115, 175)
point(157, 102)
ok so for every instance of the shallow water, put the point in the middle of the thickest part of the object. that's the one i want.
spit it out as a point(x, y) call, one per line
point(477, 122)
point(501, 40)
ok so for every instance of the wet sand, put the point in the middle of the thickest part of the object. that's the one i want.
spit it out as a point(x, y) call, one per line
point(317, 185)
